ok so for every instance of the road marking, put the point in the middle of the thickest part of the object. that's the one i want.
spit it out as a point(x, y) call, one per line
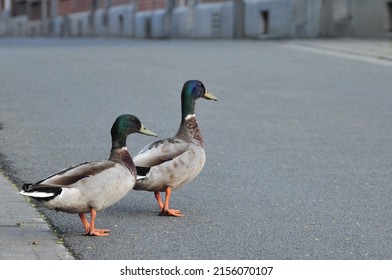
point(341, 53)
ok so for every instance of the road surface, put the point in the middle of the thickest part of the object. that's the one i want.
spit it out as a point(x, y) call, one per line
point(298, 145)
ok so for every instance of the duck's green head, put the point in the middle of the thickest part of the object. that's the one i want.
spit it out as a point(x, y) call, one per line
point(123, 126)
point(192, 90)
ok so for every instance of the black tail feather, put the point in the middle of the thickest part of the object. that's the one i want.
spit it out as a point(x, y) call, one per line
point(26, 187)
point(142, 171)
point(55, 190)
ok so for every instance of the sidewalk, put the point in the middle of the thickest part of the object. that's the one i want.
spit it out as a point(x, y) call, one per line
point(24, 235)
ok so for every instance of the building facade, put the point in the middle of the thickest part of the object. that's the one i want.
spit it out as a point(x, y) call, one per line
point(197, 18)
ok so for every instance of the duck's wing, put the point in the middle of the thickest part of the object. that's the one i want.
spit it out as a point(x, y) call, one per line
point(53, 185)
point(159, 152)
point(71, 175)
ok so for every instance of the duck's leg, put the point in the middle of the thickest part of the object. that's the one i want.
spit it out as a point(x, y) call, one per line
point(86, 224)
point(159, 200)
point(94, 231)
point(169, 212)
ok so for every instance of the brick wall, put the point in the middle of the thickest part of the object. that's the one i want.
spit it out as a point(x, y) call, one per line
point(73, 6)
point(213, 1)
point(35, 11)
point(121, 2)
point(65, 7)
point(145, 5)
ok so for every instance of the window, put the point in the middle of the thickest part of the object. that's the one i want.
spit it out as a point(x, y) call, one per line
point(389, 17)
point(121, 23)
point(265, 22)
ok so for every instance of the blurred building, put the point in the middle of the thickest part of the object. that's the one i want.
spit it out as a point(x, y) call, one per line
point(5, 7)
point(197, 18)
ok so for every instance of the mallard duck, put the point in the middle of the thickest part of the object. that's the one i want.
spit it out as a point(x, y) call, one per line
point(95, 185)
point(168, 164)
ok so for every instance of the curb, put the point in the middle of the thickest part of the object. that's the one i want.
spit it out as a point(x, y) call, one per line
point(24, 234)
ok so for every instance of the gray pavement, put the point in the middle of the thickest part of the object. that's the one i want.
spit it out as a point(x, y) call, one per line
point(24, 234)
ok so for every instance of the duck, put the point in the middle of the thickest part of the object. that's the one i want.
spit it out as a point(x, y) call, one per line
point(95, 185)
point(169, 164)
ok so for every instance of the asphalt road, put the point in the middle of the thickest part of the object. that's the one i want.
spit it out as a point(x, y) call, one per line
point(298, 145)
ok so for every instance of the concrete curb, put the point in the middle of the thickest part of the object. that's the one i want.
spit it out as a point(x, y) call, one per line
point(24, 235)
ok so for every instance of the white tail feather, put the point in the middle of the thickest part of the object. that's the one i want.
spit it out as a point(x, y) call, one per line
point(36, 194)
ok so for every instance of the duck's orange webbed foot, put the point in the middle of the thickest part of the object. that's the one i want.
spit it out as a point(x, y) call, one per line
point(165, 211)
point(97, 232)
point(90, 229)
point(171, 212)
